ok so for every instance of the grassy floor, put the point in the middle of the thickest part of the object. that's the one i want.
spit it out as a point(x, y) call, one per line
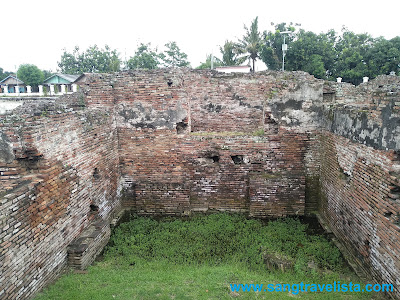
point(199, 259)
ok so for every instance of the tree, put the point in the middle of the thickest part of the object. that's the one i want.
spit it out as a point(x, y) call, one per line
point(207, 65)
point(351, 63)
point(47, 74)
point(30, 74)
point(271, 48)
point(93, 60)
point(313, 53)
point(251, 42)
point(231, 54)
point(145, 58)
point(4, 74)
point(173, 57)
point(383, 57)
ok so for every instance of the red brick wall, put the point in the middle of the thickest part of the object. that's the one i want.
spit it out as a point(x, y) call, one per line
point(360, 204)
point(178, 141)
point(48, 186)
point(171, 173)
point(167, 170)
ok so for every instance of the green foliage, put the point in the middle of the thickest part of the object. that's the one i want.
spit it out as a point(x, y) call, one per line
point(271, 47)
point(351, 51)
point(163, 280)
point(219, 238)
point(251, 42)
point(145, 58)
point(313, 53)
point(93, 60)
point(231, 54)
point(173, 56)
point(30, 74)
point(259, 132)
point(200, 258)
point(383, 57)
point(329, 55)
point(4, 74)
point(207, 65)
point(47, 74)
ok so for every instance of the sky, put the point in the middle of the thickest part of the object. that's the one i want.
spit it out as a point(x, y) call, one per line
point(37, 32)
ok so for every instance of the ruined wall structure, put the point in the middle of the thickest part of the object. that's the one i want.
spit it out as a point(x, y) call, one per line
point(177, 141)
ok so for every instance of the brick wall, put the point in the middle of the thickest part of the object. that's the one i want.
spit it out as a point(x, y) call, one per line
point(359, 174)
point(198, 141)
point(360, 205)
point(59, 162)
point(176, 141)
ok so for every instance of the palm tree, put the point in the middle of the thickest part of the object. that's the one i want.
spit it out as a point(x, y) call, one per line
point(231, 54)
point(251, 42)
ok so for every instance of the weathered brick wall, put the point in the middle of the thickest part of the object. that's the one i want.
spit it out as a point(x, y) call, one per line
point(359, 174)
point(368, 114)
point(194, 141)
point(177, 141)
point(178, 174)
point(360, 203)
point(59, 168)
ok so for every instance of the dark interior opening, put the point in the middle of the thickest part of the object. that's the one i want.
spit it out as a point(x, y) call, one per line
point(96, 174)
point(388, 214)
point(181, 127)
point(214, 158)
point(30, 160)
point(94, 208)
point(237, 159)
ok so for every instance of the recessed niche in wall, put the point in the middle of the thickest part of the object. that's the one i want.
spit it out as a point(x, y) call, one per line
point(209, 157)
point(237, 159)
point(388, 214)
point(96, 174)
point(181, 127)
point(94, 208)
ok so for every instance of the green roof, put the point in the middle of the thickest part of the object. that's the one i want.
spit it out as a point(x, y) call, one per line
point(59, 78)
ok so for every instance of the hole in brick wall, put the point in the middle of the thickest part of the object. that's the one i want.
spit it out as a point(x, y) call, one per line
point(388, 214)
point(94, 208)
point(394, 192)
point(181, 127)
point(209, 157)
point(268, 119)
point(210, 107)
point(345, 175)
point(96, 174)
point(214, 158)
point(169, 82)
point(397, 221)
point(328, 96)
point(31, 161)
point(237, 159)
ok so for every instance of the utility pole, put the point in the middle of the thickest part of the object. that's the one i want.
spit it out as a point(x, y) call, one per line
point(284, 48)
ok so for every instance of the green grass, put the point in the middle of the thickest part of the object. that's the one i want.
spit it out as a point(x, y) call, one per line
point(199, 259)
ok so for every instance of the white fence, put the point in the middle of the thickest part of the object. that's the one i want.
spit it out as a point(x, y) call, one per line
point(49, 91)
